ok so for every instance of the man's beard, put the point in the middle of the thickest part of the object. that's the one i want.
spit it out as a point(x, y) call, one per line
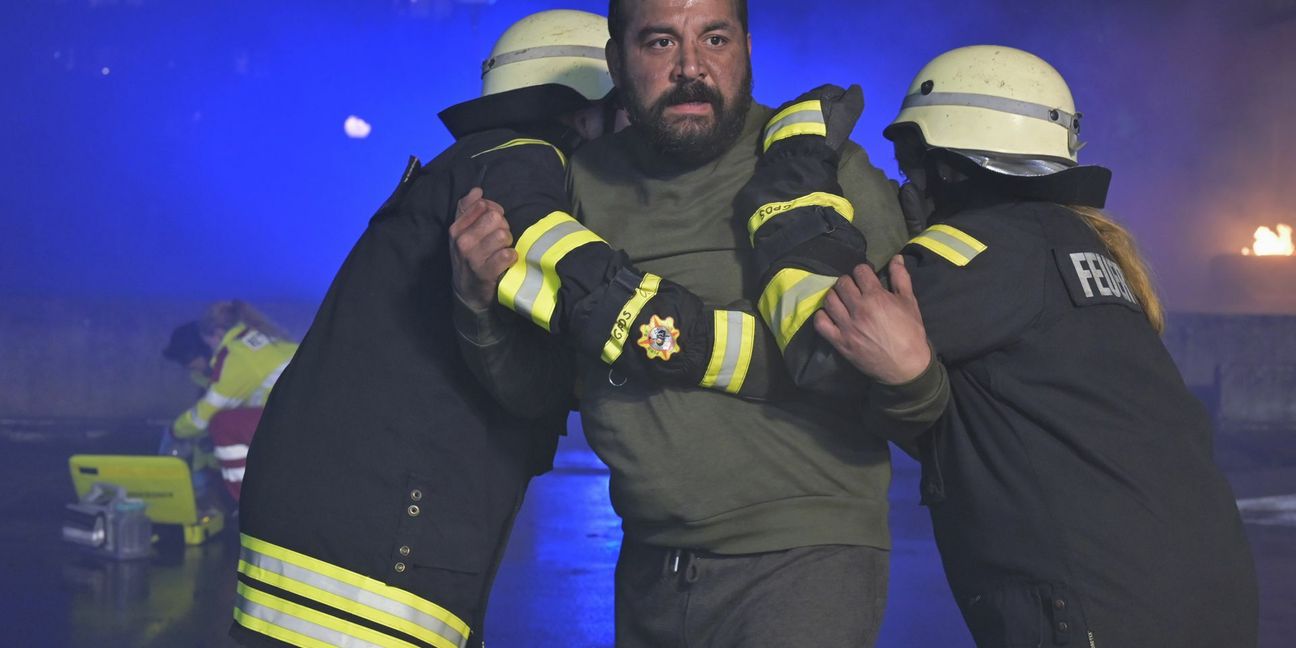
point(689, 139)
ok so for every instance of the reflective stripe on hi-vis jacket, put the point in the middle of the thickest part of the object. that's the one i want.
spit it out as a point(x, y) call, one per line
point(530, 286)
point(790, 298)
point(951, 243)
point(524, 141)
point(627, 315)
point(731, 355)
point(818, 199)
point(805, 118)
point(336, 588)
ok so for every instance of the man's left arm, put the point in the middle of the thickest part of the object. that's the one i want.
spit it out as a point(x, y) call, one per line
point(877, 205)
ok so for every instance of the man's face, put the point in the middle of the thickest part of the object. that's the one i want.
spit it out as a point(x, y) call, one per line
point(684, 68)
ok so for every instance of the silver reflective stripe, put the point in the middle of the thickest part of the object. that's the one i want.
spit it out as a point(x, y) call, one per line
point(353, 593)
point(1000, 104)
point(301, 626)
point(220, 401)
point(733, 349)
point(953, 243)
point(786, 309)
point(273, 376)
point(232, 452)
point(802, 117)
point(548, 51)
point(534, 280)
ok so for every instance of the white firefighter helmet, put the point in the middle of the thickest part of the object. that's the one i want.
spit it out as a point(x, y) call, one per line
point(1006, 109)
point(562, 47)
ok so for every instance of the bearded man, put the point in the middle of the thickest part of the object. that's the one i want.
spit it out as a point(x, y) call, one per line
point(746, 523)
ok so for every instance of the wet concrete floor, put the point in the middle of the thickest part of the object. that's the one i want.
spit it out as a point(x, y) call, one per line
point(554, 589)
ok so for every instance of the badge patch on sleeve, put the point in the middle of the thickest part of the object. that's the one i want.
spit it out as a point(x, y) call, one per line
point(1092, 278)
point(660, 338)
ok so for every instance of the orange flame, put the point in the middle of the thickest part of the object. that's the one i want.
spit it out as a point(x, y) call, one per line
point(1270, 243)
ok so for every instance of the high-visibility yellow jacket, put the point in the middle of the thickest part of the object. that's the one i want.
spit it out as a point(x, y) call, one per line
point(244, 368)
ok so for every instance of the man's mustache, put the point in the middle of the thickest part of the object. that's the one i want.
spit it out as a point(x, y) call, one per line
point(692, 92)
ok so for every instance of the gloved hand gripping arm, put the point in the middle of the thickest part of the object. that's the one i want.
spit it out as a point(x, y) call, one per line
point(570, 282)
point(801, 228)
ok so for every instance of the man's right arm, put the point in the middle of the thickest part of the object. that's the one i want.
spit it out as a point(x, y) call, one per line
point(523, 368)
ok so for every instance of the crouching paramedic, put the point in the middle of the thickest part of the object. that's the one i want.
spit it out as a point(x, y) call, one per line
point(384, 480)
point(247, 355)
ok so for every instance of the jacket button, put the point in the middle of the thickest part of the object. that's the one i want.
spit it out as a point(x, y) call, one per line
point(416, 494)
point(405, 551)
point(413, 510)
point(1063, 626)
point(1059, 604)
point(400, 568)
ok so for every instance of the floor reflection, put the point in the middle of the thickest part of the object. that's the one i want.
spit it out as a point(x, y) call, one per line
point(554, 588)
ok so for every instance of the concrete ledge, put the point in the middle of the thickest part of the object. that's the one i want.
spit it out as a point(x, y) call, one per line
point(102, 359)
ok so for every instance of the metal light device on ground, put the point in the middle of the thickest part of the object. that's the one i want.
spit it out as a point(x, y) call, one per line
point(109, 523)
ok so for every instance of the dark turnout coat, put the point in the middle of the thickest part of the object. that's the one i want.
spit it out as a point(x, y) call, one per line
point(1070, 481)
point(383, 480)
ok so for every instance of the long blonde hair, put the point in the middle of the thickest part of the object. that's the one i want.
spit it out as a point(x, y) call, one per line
point(1125, 252)
point(225, 315)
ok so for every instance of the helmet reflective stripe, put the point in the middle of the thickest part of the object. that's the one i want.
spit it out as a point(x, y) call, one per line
point(1004, 105)
point(1001, 104)
point(550, 51)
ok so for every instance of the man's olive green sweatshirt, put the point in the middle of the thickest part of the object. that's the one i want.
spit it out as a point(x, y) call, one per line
point(698, 469)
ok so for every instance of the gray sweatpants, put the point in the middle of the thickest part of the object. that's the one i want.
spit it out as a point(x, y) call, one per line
point(827, 597)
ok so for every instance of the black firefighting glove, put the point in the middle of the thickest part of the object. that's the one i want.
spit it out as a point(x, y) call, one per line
point(801, 228)
point(647, 327)
point(570, 282)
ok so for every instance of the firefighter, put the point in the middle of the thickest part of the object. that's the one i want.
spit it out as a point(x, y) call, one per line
point(383, 481)
point(245, 355)
point(1070, 480)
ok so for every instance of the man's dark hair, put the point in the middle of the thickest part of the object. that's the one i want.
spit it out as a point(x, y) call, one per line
point(617, 17)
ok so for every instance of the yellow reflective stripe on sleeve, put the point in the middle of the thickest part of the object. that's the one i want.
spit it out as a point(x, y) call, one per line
point(530, 286)
point(952, 244)
point(818, 199)
point(805, 118)
point(346, 590)
point(627, 315)
point(976, 246)
point(791, 297)
point(300, 625)
point(731, 352)
point(525, 141)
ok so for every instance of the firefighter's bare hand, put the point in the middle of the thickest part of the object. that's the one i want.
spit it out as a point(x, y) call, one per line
point(879, 331)
point(481, 249)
